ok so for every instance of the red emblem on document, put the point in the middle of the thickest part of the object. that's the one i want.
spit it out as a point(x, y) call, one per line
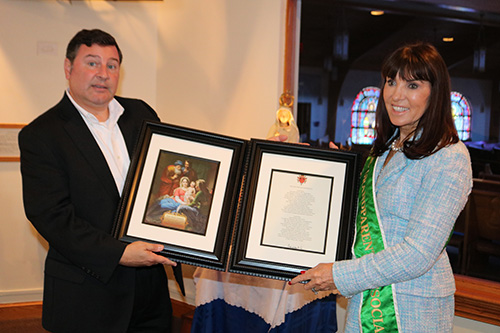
point(302, 179)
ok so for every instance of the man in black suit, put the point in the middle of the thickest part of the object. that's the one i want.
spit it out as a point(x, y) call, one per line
point(74, 160)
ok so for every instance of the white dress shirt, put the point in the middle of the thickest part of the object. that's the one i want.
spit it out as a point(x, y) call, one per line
point(109, 138)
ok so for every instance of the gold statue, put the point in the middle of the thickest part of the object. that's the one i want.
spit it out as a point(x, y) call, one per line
point(284, 123)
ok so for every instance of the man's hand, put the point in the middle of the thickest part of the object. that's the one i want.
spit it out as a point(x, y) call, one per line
point(139, 254)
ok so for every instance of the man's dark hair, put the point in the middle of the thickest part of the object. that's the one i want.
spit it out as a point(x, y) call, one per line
point(90, 37)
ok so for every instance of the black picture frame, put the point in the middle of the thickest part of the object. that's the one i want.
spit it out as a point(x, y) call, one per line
point(250, 253)
point(197, 239)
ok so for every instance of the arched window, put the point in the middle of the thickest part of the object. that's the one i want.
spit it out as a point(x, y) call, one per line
point(365, 104)
point(461, 110)
point(363, 115)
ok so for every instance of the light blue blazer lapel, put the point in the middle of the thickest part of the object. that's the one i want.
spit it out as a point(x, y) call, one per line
point(394, 167)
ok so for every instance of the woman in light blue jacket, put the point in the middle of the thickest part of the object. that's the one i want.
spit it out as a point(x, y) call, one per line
point(414, 185)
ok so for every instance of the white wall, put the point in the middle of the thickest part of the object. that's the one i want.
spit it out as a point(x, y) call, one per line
point(220, 64)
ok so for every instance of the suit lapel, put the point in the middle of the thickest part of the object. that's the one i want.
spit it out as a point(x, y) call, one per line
point(87, 146)
point(128, 128)
point(131, 122)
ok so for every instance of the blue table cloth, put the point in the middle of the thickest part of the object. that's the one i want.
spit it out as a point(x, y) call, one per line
point(228, 302)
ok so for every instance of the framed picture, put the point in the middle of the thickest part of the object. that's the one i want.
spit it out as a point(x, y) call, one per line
point(181, 191)
point(9, 149)
point(297, 209)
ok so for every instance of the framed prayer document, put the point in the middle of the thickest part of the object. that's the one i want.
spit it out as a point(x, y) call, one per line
point(181, 191)
point(297, 209)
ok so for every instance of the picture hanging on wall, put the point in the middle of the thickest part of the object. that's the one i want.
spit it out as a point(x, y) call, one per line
point(9, 148)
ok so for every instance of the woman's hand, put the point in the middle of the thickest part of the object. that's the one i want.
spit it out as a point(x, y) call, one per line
point(281, 137)
point(320, 278)
point(332, 145)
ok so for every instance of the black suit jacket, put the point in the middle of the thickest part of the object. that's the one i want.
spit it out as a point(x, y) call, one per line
point(71, 198)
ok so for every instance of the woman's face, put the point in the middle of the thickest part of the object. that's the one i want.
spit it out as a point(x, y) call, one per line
point(185, 183)
point(406, 102)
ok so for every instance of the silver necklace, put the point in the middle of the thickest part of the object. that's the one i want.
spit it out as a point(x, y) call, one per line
point(394, 148)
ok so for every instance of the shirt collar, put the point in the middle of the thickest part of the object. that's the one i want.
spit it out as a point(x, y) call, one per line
point(115, 111)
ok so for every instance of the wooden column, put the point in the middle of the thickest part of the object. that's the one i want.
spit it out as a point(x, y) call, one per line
point(290, 46)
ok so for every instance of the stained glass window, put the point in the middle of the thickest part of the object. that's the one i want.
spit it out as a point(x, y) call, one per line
point(365, 104)
point(461, 114)
point(363, 116)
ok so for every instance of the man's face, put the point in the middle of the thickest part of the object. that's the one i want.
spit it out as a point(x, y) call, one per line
point(93, 77)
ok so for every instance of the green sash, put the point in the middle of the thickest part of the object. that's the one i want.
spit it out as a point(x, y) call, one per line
point(378, 309)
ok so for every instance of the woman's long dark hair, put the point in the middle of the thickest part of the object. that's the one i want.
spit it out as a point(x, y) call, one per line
point(436, 128)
